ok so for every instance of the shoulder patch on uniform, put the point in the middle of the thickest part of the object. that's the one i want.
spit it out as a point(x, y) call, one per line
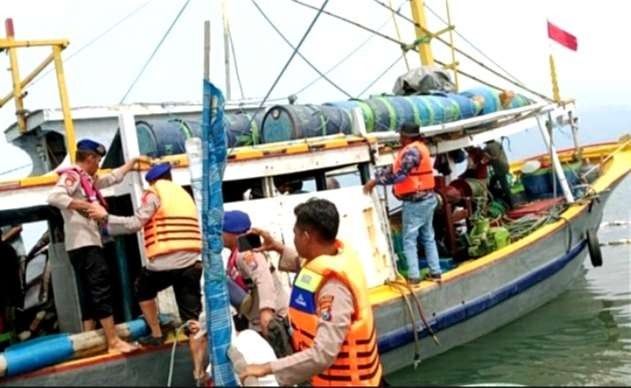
point(70, 180)
point(324, 307)
point(250, 260)
point(308, 280)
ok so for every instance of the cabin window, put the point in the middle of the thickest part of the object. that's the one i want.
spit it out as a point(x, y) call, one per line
point(243, 189)
point(343, 177)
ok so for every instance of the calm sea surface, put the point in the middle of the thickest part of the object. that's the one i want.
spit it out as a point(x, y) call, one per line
point(581, 338)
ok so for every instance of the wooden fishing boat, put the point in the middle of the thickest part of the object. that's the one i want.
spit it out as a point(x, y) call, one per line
point(478, 295)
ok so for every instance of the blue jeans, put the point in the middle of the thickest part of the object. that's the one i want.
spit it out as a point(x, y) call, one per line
point(417, 218)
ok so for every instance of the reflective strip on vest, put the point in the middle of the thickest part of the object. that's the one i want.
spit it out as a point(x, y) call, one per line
point(174, 227)
point(358, 362)
point(421, 178)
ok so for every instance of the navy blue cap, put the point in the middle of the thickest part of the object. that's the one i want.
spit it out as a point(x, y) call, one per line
point(157, 171)
point(91, 145)
point(409, 130)
point(236, 221)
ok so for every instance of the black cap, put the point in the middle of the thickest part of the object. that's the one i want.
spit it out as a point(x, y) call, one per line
point(410, 130)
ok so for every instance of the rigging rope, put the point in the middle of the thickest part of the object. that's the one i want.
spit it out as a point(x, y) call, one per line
point(236, 66)
point(356, 49)
point(513, 80)
point(396, 28)
point(473, 46)
point(391, 39)
point(93, 40)
point(144, 67)
point(381, 75)
point(322, 75)
point(15, 169)
point(384, 36)
point(293, 54)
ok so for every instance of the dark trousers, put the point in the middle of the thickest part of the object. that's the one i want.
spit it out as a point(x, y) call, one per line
point(185, 282)
point(93, 276)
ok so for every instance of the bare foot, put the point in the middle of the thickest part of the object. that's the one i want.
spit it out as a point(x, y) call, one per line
point(122, 347)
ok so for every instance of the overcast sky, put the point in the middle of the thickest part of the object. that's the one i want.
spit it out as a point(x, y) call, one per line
point(511, 32)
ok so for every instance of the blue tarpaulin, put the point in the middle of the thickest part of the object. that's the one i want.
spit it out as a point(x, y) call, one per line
point(216, 293)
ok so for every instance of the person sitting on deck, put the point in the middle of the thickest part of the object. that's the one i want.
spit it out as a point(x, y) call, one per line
point(329, 311)
point(172, 237)
point(75, 194)
point(477, 164)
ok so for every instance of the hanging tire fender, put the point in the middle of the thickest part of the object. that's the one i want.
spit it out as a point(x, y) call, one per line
point(595, 253)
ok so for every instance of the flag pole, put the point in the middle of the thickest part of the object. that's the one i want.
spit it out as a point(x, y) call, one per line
point(555, 83)
point(556, 95)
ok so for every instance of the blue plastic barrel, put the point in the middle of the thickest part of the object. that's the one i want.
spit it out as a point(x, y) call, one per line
point(165, 137)
point(491, 98)
point(292, 122)
point(38, 353)
point(243, 128)
point(348, 106)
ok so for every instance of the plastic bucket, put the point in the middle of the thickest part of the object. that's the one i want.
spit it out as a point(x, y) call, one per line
point(538, 184)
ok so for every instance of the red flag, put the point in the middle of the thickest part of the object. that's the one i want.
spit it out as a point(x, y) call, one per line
point(563, 37)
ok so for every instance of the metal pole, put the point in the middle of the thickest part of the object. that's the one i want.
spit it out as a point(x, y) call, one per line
point(578, 151)
point(207, 50)
point(549, 127)
point(15, 76)
point(28, 78)
point(556, 163)
point(418, 14)
point(71, 143)
point(226, 49)
point(454, 64)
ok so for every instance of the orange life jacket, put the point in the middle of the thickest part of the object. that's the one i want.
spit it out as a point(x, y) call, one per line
point(174, 227)
point(421, 178)
point(357, 363)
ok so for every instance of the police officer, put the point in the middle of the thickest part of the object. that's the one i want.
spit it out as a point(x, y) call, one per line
point(76, 192)
point(251, 271)
point(168, 217)
point(412, 178)
point(329, 310)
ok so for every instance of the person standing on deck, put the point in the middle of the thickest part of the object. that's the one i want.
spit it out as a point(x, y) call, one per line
point(76, 192)
point(173, 245)
point(499, 161)
point(412, 178)
point(251, 271)
point(329, 311)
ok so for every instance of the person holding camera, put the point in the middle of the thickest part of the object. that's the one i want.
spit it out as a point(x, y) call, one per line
point(251, 271)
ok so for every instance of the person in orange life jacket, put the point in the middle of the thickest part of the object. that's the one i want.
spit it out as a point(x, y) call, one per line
point(412, 178)
point(329, 309)
point(75, 194)
point(168, 217)
point(251, 271)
